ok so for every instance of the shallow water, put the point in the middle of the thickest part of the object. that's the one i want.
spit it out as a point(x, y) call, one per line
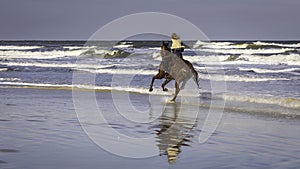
point(40, 129)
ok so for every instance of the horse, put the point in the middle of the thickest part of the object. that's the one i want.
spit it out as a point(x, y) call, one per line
point(174, 68)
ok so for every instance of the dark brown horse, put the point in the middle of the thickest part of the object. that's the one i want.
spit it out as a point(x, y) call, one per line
point(174, 68)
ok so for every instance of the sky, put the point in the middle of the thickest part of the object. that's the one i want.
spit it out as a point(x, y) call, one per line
point(218, 19)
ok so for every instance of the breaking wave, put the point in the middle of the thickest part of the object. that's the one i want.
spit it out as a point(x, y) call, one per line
point(293, 103)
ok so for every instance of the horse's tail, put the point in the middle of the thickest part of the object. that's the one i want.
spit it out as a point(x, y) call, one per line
point(194, 72)
point(196, 78)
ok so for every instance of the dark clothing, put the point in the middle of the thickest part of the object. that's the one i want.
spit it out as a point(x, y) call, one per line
point(176, 51)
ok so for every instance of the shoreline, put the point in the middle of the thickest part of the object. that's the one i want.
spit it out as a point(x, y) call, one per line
point(262, 109)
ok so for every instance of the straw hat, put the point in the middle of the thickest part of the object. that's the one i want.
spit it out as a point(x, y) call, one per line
point(175, 36)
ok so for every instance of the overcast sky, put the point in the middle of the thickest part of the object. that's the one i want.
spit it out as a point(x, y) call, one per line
point(218, 19)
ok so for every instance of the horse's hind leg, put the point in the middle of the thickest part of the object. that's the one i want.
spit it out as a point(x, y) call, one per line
point(183, 84)
point(177, 89)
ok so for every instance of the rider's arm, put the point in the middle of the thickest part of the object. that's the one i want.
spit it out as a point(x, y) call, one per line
point(169, 45)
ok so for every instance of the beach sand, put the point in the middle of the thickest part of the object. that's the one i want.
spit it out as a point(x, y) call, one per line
point(40, 129)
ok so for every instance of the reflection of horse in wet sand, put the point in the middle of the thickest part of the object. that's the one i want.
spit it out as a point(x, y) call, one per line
point(173, 132)
point(174, 68)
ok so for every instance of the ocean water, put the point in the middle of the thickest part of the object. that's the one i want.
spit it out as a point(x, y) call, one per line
point(258, 129)
point(252, 71)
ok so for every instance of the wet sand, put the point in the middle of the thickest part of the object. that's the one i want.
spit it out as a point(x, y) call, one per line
point(40, 129)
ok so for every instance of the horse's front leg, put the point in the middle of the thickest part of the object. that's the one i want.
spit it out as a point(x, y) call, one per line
point(165, 83)
point(159, 75)
point(151, 85)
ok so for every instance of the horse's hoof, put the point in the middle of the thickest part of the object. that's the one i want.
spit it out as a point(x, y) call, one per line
point(170, 101)
point(151, 89)
point(165, 89)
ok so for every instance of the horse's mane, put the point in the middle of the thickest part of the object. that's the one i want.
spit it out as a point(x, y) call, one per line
point(165, 52)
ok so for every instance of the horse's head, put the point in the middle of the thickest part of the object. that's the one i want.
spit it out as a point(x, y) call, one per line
point(164, 50)
point(164, 46)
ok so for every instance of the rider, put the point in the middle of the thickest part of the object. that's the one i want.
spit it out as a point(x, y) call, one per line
point(176, 45)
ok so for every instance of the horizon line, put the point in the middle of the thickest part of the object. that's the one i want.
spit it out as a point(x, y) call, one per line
point(149, 40)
